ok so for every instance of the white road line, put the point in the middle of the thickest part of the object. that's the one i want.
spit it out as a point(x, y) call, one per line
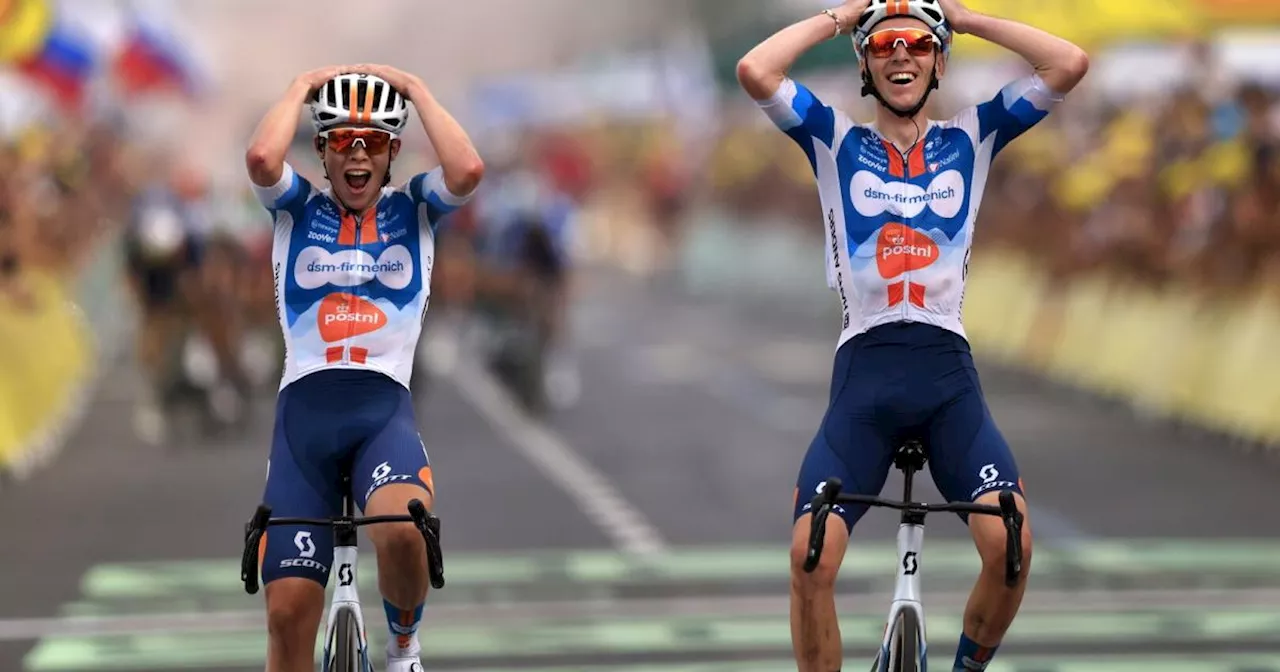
point(594, 494)
point(849, 605)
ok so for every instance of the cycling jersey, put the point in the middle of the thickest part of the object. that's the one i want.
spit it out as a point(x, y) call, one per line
point(899, 227)
point(348, 295)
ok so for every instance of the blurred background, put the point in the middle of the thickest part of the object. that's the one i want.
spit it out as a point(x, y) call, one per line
point(615, 460)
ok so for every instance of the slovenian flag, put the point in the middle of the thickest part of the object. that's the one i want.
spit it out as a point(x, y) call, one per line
point(153, 57)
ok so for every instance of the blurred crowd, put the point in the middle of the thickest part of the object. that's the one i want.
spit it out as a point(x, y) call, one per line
point(1182, 192)
point(63, 185)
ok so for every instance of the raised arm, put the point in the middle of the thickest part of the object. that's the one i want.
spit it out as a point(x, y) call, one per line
point(762, 70)
point(463, 168)
point(270, 144)
point(1060, 64)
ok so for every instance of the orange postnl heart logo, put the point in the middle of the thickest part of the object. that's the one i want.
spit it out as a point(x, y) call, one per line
point(344, 315)
point(901, 248)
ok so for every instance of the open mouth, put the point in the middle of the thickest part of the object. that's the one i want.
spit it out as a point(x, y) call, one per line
point(357, 179)
point(902, 78)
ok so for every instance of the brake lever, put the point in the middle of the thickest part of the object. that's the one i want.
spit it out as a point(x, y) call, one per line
point(821, 505)
point(429, 526)
point(253, 531)
point(1013, 541)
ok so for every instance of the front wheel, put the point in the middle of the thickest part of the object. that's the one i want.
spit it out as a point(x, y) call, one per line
point(904, 649)
point(348, 654)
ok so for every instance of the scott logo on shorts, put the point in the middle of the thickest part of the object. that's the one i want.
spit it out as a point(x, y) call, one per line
point(306, 551)
point(990, 475)
point(381, 476)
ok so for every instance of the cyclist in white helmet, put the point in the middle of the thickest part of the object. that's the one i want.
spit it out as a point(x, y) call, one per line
point(900, 197)
point(352, 266)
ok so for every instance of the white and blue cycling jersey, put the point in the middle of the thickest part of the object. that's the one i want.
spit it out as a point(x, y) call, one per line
point(353, 295)
point(899, 228)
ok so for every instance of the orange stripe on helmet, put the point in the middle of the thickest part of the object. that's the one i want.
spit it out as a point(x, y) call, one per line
point(368, 103)
point(899, 7)
point(352, 108)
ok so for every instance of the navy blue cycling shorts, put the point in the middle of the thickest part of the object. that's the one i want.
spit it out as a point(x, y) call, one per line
point(897, 382)
point(326, 421)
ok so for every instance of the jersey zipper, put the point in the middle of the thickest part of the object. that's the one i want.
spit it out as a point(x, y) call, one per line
point(906, 224)
point(358, 226)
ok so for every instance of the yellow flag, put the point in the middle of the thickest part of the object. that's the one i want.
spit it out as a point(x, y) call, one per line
point(24, 25)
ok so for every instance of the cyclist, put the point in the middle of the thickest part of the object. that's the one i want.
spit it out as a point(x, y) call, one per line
point(525, 226)
point(899, 198)
point(164, 250)
point(352, 265)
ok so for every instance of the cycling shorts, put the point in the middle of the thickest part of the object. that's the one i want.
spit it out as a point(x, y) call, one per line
point(902, 381)
point(327, 422)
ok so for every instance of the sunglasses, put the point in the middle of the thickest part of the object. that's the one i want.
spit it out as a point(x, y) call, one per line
point(918, 42)
point(343, 140)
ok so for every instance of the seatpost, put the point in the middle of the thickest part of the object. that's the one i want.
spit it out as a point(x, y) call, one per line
point(910, 459)
point(344, 531)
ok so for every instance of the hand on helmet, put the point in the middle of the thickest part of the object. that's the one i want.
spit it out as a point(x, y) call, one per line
point(314, 79)
point(957, 15)
point(849, 13)
point(398, 79)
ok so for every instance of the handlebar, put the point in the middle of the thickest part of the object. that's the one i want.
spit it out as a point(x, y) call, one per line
point(823, 502)
point(427, 524)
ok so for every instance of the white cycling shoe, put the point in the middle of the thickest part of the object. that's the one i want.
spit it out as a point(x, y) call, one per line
point(406, 660)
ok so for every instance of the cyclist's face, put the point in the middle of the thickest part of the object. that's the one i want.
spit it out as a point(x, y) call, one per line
point(901, 57)
point(357, 160)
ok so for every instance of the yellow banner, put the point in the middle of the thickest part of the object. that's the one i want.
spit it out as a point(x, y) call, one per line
point(1174, 352)
point(44, 358)
point(1218, 13)
point(1090, 23)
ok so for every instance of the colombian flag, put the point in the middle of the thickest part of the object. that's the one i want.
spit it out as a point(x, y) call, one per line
point(64, 65)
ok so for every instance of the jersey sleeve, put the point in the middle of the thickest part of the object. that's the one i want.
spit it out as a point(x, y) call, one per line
point(429, 189)
point(289, 195)
point(1020, 105)
point(796, 111)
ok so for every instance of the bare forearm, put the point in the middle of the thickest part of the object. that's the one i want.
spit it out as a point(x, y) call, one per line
point(1059, 63)
point(462, 165)
point(762, 70)
point(270, 144)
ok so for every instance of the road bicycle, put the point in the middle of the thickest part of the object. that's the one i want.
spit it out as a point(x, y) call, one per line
point(904, 647)
point(346, 648)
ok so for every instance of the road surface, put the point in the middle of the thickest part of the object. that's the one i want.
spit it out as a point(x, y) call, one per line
point(645, 529)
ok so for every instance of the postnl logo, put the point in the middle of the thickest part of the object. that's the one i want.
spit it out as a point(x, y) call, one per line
point(901, 248)
point(872, 196)
point(317, 267)
point(345, 315)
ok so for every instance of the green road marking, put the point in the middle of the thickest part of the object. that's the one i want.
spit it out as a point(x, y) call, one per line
point(654, 635)
point(1002, 663)
point(1140, 560)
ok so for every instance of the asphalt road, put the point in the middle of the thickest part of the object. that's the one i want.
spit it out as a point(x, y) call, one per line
point(645, 529)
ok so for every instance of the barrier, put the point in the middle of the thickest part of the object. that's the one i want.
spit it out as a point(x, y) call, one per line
point(1176, 353)
point(45, 364)
point(52, 353)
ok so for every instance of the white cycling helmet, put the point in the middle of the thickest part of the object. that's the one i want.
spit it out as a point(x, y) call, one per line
point(359, 100)
point(928, 11)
